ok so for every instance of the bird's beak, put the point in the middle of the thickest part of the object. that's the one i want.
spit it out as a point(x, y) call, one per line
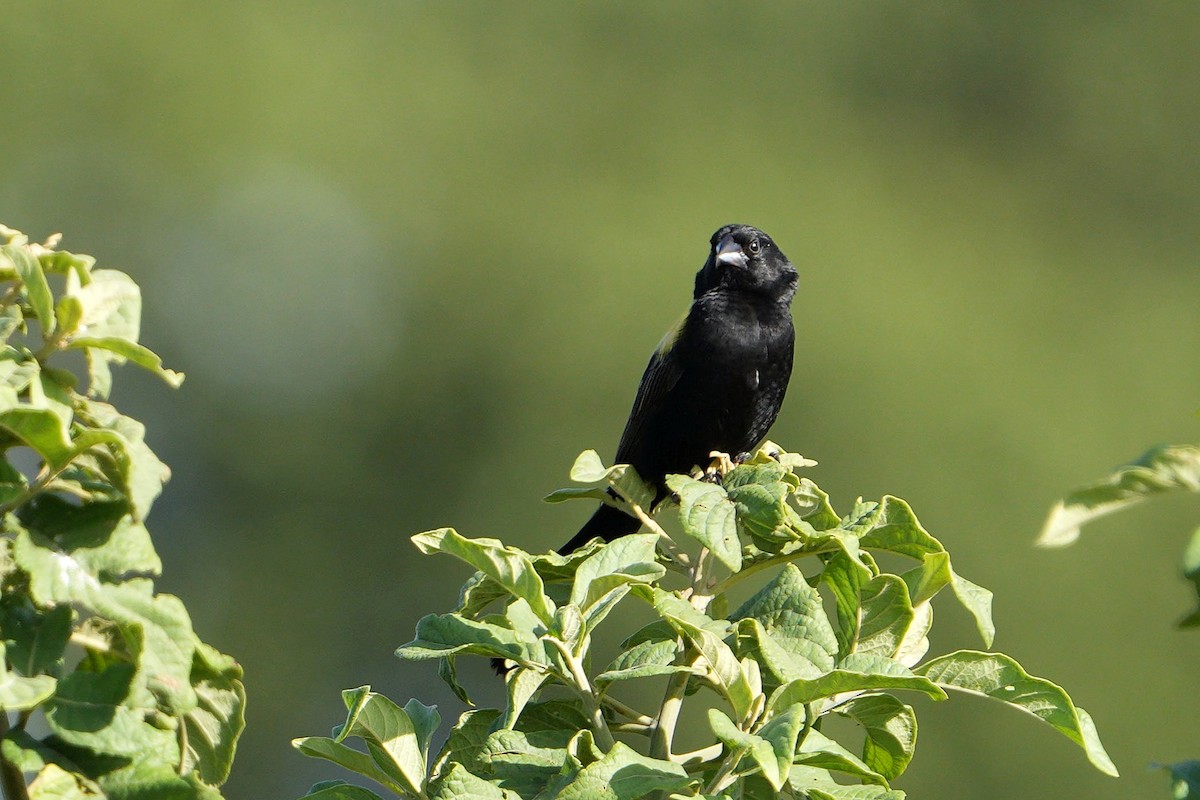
point(729, 253)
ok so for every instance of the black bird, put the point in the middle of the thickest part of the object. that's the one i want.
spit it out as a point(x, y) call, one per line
point(717, 379)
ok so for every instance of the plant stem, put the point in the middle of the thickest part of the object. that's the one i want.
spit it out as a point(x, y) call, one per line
point(625, 711)
point(604, 737)
point(37, 486)
point(183, 747)
point(668, 712)
point(646, 519)
point(698, 758)
point(11, 777)
point(724, 776)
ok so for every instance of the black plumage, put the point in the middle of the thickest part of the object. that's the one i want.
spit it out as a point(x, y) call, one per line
point(717, 380)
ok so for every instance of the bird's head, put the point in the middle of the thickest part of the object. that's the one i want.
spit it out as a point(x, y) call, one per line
point(743, 257)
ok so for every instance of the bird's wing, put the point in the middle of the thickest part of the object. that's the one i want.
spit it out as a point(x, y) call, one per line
point(662, 373)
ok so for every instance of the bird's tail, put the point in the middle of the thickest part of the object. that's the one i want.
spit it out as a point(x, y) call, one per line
point(608, 523)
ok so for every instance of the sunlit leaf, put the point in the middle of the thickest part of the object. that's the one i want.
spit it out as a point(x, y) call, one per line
point(999, 677)
point(508, 567)
point(624, 774)
point(30, 271)
point(708, 516)
point(891, 732)
point(1161, 469)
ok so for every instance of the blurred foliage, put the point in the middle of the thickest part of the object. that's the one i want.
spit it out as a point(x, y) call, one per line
point(1161, 469)
point(135, 705)
point(1166, 468)
point(396, 239)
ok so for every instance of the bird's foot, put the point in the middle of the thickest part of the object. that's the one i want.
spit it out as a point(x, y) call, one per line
point(719, 467)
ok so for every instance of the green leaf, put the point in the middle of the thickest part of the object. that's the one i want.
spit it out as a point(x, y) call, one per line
point(345, 757)
point(885, 614)
point(891, 728)
point(759, 490)
point(397, 740)
point(818, 750)
point(779, 664)
point(142, 356)
point(756, 748)
point(792, 614)
point(106, 712)
point(856, 673)
point(895, 529)
point(915, 644)
point(11, 320)
point(139, 475)
point(477, 593)
point(588, 468)
point(154, 781)
point(99, 373)
point(577, 493)
point(925, 581)
point(1161, 469)
point(624, 774)
point(506, 566)
point(708, 516)
point(112, 305)
point(13, 484)
point(440, 635)
point(998, 676)
point(707, 636)
point(157, 628)
point(39, 428)
point(102, 538)
point(816, 509)
point(339, 790)
point(19, 693)
point(68, 312)
point(629, 559)
point(553, 715)
point(214, 725)
point(29, 270)
point(621, 478)
point(978, 601)
point(466, 741)
point(65, 262)
point(36, 638)
point(31, 755)
point(521, 685)
point(845, 577)
point(55, 783)
point(643, 660)
point(457, 784)
point(525, 763)
point(781, 732)
point(856, 793)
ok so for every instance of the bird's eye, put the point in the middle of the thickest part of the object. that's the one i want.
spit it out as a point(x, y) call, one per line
point(754, 247)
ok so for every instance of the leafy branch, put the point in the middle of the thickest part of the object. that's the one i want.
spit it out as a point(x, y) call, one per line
point(135, 704)
point(767, 674)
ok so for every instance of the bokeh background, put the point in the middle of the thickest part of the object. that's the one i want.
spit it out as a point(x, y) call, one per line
point(413, 257)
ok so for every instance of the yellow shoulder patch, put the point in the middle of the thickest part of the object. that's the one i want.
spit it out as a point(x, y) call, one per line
point(671, 336)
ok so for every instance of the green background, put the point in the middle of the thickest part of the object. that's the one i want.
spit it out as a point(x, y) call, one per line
point(413, 258)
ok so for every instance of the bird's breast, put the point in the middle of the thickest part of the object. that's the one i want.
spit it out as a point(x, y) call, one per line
point(741, 333)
